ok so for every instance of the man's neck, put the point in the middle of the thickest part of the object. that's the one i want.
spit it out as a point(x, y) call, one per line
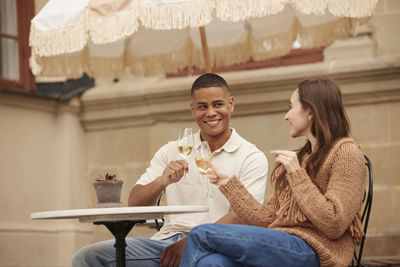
point(217, 141)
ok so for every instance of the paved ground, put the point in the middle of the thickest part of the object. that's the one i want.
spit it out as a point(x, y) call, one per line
point(382, 261)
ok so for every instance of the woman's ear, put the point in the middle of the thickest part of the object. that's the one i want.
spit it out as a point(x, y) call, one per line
point(309, 114)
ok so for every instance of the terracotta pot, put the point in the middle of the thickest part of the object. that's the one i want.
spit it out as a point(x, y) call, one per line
point(108, 193)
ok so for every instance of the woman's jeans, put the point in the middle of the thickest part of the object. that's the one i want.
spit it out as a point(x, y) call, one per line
point(242, 245)
point(139, 252)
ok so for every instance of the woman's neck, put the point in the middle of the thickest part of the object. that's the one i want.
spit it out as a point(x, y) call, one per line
point(313, 142)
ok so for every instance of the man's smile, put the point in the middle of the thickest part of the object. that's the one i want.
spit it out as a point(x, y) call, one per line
point(213, 122)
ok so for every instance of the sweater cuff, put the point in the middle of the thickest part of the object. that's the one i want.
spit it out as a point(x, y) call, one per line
point(231, 186)
point(297, 177)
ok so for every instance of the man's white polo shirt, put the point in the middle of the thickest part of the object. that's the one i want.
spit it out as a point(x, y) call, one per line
point(237, 156)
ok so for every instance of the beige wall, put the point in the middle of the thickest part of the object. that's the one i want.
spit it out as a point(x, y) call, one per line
point(51, 152)
point(42, 163)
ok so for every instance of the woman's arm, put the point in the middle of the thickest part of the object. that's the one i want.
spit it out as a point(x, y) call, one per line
point(246, 206)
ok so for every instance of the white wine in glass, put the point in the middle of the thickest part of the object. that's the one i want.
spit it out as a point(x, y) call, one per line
point(202, 163)
point(203, 158)
point(185, 151)
point(185, 144)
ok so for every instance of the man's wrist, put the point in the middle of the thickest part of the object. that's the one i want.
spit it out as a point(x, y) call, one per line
point(162, 181)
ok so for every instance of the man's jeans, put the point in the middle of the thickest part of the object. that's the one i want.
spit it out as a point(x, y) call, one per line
point(139, 252)
point(242, 245)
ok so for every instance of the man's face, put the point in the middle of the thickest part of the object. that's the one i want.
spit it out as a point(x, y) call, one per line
point(211, 108)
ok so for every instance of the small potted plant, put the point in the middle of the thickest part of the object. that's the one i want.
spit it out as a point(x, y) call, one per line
point(108, 191)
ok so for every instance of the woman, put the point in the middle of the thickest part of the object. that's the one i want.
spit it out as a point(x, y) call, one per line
point(313, 217)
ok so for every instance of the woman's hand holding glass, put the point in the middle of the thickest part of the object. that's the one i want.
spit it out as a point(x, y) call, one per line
point(217, 175)
point(203, 158)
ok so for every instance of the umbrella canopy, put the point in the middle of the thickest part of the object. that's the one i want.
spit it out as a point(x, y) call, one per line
point(105, 37)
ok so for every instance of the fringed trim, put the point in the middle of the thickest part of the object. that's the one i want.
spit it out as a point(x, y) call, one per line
point(60, 41)
point(355, 229)
point(188, 57)
point(221, 56)
point(106, 67)
point(112, 27)
point(275, 46)
point(356, 23)
point(310, 7)
point(229, 55)
point(339, 8)
point(34, 66)
point(325, 34)
point(161, 64)
point(289, 212)
point(235, 10)
point(354, 9)
point(71, 67)
point(166, 16)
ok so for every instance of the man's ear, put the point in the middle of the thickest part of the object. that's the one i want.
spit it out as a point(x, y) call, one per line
point(192, 108)
point(232, 103)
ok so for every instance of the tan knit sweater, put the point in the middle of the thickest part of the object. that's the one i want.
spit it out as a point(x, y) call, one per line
point(324, 212)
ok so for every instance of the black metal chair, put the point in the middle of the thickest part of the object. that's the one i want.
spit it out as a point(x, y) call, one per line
point(156, 221)
point(356, 261)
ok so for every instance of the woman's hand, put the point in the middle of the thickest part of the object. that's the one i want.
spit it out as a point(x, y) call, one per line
point(217, 175)
point(287, 158)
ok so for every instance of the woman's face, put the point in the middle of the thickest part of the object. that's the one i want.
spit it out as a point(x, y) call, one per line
point(300, 120)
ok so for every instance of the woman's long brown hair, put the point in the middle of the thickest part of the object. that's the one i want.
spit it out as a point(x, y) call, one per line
point(329, 123)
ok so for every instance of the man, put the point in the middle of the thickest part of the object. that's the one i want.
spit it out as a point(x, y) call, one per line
point(211, 108)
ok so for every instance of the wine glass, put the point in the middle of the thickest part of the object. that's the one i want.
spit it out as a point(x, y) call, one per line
point(185, 144)
point(203, 155)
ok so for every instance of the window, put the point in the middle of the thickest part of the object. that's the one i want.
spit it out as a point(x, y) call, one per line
point(15, 17)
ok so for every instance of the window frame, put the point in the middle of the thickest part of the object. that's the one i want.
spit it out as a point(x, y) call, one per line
point(26, 82)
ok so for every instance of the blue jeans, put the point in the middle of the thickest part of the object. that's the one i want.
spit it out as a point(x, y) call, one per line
point(139, 252)
point(242, 245)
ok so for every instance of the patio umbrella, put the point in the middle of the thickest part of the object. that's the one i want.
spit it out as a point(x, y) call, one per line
point(105, 37)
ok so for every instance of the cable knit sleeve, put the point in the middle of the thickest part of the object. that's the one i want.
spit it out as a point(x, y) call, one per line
point(332, 212)
point(246, 206)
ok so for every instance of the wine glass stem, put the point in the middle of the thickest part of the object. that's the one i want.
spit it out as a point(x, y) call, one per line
point(184, 172)
point(208, 185)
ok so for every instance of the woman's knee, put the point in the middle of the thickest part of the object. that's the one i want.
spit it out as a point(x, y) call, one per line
point(205, 229)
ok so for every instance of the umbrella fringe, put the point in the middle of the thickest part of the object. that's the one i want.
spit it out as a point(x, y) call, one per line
point(231, 54)
point(325, 34)
point(167, 63)
point(275, 46)
point(235, 10)
point(175, 15)
point(105, 29)
point(73, 66)
point(65, 40)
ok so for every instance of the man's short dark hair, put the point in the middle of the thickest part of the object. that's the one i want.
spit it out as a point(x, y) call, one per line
point(209, 80)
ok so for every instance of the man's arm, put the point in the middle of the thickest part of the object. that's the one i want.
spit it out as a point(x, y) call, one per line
point(146, 195)
point(231, 218)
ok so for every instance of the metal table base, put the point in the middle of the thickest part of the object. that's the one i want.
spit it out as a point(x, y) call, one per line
point(120, 229)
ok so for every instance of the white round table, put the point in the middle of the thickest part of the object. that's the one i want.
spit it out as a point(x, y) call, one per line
point(119, 220)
